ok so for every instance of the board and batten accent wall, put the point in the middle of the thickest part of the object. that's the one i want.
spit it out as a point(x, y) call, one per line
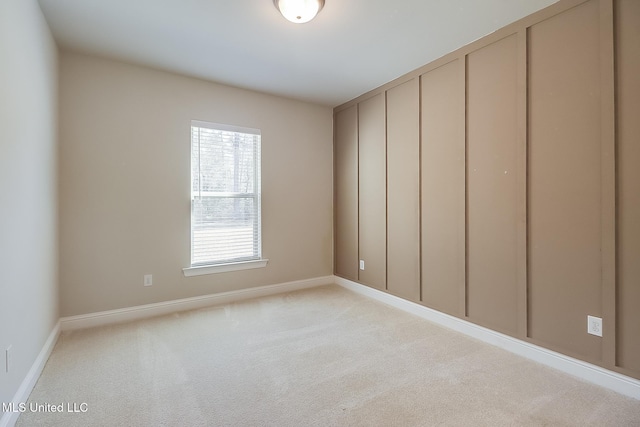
point(512, 182)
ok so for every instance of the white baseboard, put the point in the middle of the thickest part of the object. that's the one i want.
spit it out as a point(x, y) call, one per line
point(9, 418)
point(583, 370)
point(151, 310)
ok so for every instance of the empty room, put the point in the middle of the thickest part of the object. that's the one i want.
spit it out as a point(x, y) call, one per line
point(319, 212)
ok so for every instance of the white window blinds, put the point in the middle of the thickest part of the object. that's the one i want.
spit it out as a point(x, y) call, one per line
point(225, 194)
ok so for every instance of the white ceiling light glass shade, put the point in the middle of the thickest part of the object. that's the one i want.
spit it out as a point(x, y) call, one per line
point(299, 11)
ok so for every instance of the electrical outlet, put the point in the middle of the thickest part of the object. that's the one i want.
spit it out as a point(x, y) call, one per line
point(594, 325)
point(361, 264)
point(7, 359)
point(148, 280)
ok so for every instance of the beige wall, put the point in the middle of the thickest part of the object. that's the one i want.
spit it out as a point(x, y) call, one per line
point(28, 237)
point(124, 184)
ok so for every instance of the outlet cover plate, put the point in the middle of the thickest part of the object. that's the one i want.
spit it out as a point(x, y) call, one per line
point(594, 325)
point(361, 264)
point(148, 280)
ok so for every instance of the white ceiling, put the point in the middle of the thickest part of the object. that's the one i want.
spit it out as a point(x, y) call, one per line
point(351, 47)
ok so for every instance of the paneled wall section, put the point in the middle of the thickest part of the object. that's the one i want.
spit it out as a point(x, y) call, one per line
point(345, 193)
point(628, 179)
point(565, 193)
point(492, 142)
point(372, 191)
point(403, 190)
point(443, 188)
point(510, 192)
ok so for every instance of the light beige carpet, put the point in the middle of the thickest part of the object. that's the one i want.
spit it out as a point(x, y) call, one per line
point(319, 357)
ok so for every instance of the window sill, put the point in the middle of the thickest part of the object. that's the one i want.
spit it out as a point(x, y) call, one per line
point(223, 268)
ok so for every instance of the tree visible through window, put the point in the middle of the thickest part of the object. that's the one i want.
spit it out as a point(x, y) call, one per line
point(225, 194)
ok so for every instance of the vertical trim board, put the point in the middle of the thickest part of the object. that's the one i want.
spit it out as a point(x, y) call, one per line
point(608, 184)
point(522, 213)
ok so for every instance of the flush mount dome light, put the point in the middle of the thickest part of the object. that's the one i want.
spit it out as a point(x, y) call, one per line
point(299, 11)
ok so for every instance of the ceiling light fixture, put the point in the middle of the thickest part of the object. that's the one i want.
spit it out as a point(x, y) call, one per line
point(299, 11)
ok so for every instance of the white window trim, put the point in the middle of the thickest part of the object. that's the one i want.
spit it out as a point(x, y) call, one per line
point(205, 269)
point(221, 126)
point(223, 268)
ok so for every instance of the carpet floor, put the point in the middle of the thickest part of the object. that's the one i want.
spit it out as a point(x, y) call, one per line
point(317, 357)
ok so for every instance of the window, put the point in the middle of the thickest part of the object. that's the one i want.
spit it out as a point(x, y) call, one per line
point(225, 198)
